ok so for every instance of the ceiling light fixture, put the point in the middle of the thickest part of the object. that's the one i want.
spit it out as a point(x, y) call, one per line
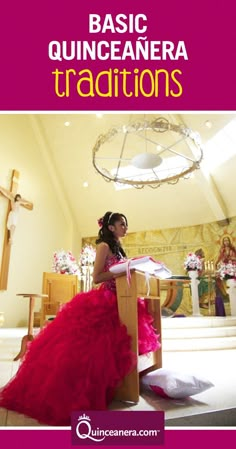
point(146, 160)
point(150, 146)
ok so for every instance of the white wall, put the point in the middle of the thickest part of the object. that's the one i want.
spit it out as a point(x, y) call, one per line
point(39, 232)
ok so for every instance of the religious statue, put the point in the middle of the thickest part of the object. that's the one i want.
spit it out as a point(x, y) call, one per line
point(16, 202)
point(227, 251)
point(227, 254)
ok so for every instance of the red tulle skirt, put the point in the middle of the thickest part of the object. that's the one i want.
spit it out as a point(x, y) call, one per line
point(77, 361)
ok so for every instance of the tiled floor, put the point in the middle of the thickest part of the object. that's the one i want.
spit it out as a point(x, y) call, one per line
point(214, 407)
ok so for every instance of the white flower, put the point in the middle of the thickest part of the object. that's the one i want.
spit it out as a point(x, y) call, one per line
point(87, 255)
point(192, 262)
point(227, 270)
point(64, 262)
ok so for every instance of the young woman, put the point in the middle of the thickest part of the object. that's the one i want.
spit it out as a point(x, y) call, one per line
point(77, 361)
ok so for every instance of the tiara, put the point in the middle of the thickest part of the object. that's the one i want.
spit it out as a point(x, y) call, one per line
point(82, 417)
point(109, 218)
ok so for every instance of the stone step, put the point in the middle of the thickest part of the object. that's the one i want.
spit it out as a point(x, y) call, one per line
point(198, 322)
point(199, 344)
point(198, 333)
point(204, 332)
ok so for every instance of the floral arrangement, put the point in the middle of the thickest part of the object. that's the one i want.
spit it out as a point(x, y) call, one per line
point(192, 262)
point(227, 271)
point(87, 255)
point(64, 262)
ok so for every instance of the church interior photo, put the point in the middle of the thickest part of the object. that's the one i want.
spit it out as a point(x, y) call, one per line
point(173, 176)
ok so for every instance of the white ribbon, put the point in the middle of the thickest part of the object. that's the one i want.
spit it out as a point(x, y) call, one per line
point(147, 277)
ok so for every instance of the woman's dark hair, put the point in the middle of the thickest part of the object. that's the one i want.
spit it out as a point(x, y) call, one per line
point(105, 235)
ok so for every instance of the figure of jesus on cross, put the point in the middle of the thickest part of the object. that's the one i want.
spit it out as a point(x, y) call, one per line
point(16, 202)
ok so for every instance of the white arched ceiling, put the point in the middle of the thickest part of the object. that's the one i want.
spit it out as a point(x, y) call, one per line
point(67, 150)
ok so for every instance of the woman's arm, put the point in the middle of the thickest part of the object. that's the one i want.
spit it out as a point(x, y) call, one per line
point(102, 252)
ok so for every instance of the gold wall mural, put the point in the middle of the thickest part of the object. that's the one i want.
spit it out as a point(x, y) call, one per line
point(172, 245)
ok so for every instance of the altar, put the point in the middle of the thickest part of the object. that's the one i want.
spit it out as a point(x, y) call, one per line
point(176, 296)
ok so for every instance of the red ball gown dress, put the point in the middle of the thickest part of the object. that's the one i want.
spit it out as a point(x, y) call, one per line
point(77, 361)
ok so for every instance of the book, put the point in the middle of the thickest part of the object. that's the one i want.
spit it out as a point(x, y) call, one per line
point(145, 264)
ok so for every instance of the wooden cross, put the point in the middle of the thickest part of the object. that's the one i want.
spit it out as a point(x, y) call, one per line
point(6, 253)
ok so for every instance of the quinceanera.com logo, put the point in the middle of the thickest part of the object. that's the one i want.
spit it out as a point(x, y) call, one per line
point(84, 429)
point(117, 427)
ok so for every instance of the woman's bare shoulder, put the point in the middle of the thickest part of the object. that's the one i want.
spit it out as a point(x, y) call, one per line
point(103, 246)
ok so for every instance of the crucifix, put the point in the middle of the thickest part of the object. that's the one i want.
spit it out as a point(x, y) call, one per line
point(14, 202)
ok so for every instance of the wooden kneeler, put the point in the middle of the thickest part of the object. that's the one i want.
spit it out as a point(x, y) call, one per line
point(128, 312)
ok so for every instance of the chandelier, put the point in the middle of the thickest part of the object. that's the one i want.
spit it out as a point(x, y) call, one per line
point(148, 153)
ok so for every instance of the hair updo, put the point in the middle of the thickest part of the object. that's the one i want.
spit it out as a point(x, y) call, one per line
point(107, 236)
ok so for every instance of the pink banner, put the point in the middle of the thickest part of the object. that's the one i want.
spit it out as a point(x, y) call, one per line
point(61, 439)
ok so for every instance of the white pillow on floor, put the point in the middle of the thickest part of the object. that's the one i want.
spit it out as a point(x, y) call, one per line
point(175, 384)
